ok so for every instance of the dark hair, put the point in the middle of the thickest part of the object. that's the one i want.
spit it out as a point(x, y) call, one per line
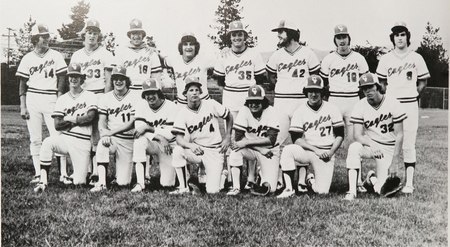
point(324, 92)
point(127, 80)
point(292, 35)
point(35, 39)
point(99, 39)
point(190, 39)
point(349, 39)
point(159, 93)
point(399, 30)
point(186, 89)
point(265, 102)
point(379, 89)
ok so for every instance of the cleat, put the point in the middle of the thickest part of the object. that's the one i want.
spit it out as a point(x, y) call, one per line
point(350, 196)
point(98, 187)
point(280, 185)
point(360, 188)
point(262, 190)
point(179, 191)
point(408, 190)
point(66, 180)
point(310, 180)
point(195, 188)
point(367, 184)
point(202, 178)
point(249, 185)
point(138, 188)
point(147, 180)
point(233, 192)
point(36, 179)
point(40, 187)
point(223, 179)
point(302, 188)
point(93, 179)
point(286, 193)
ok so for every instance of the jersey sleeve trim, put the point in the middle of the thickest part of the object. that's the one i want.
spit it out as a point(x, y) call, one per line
point(356, 120)
point(381, 76)
point(219, 73)
point(22, 74)
point(239, 127)
point(423, 76)
point(261, 71)
point(400, 118)
point(269, 69)
point(61, 70)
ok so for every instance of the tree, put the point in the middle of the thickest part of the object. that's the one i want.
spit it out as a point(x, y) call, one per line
point(79, 14)
point(109, 41)
point(23, 41)
point(435, 55)
point(372, 54)
point(227, 12)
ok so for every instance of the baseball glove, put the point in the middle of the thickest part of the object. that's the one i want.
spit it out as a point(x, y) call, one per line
point(391, 186)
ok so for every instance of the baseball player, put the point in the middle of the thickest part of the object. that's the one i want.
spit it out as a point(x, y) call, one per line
point(41, 74)
point(341, 70)
point(403, 75)
point(116, 109)
point(381, 118)
point(256, 129)
point(96, 63)
point(317, 131)
point(155, 117)
point(74, 113)
point(140, 60)
point(206, 146)
point(189, 64)
point(288, 68)
point(241, 68)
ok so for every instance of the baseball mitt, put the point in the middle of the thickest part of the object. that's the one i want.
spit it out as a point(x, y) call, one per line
point(391, 186)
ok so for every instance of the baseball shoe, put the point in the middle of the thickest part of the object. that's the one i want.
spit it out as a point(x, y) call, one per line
point(408, 190)
point(310, 180)
point(195, 188)
point(301, 188)
point(233, 192)
point(98, 187)
point(36, 179)
point(367, 184)
point(40, 187)
point(262, 190)
point(360, 188)
point(179, 191)
point(249, 185)
point(93, 179)
point(66, 180)
point(350, 196)
point(138, 188)
point(286, 193)
point(147, 181)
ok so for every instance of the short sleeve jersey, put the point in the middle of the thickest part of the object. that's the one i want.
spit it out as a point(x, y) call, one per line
point(253, 127)
point(93, 65)
point(202, 124)
point(317, 126)
point(402, 73)
point(343, 73)
point(292, 69)
point(118, 110)
point(140, 64)
point(41, 71)
point(379, 122)
point(69, 105)
point(162, 119)
point(197, 67)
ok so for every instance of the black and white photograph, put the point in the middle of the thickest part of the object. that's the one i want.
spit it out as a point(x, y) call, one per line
point(224, 122)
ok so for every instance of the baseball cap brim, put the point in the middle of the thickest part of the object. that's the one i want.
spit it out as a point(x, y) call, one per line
point(198, 84)
point(367, 84)
point(255, 98)
point(399, 29)
point(313, 87)
point(74, 73)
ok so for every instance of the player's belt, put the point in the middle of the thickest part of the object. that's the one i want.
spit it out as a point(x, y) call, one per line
point(391, 143)
point(124, 136)
point(136, 87)
point(77, 135)
point(42, 91)
point(344, 94)
point(325, 147)
point(290, 96)
point(97, 91)
point(236, 89)
point(407, 99)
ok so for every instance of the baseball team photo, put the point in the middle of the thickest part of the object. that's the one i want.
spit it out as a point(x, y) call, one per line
point(224, 123)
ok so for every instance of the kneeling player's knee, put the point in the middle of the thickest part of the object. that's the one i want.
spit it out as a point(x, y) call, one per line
point(353, 156)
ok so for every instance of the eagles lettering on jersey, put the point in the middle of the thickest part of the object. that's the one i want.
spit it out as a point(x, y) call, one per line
point(119, 110)
point(135, 62)
point(72, 110)
point(235, 68)
point(116, 111)
point(182, 76)
point(375, 122)
point(343, 70)
point(199, 127)
point(316, 123)
point(41, 67)
point(397, 70)
point(289, 66)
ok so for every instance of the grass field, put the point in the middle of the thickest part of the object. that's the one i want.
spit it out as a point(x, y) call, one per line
point(74, 217)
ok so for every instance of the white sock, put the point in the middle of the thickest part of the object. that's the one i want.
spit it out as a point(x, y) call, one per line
point(302, 175)
point(409, 176)
point(36, 164)
point(63, 165)
point(140, 173)
point(236, 175)
point(251, 176)
point(101, 174)
point(287, 180)
point(352, 181)
point(359, 176)
point(44, 176)
point(373, 180)
point(181, 177)
point(94, 165)
point(148, 166)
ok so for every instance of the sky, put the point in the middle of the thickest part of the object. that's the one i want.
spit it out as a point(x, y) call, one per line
point(166, 20)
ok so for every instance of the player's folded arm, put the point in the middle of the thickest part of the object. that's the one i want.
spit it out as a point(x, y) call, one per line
point(88, 118)
point(60, 124)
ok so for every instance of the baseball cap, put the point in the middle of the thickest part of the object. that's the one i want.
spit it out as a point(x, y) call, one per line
point(150, 85)
point(135, 26)
point(286, 25)
point(314, 82)
point(192, 81)
point(256, 92)
point(187, 37)
point(74, 69)
point(236, 26)
point(340, 29)
point(92, 24)
point(119, 70)
point(399, 26)
point(367, 79)
point(39, 29)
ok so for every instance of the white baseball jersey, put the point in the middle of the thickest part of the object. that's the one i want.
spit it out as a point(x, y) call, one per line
point(255, 128)
point(197, 67)
point(140, 63)
point(317, 126)
point(379, 122)
point(402, 72)
point(202, 124)
point(162, 119)
point(292, 69)
point(41, 71)
point(343, 73)
point(93, 65)
point(68, 105)
point(118, 110)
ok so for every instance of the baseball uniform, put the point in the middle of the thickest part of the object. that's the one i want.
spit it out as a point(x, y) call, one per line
point(317, 128)
point(203, 126)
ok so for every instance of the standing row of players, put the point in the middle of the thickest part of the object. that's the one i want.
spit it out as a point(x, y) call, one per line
point(239, 68)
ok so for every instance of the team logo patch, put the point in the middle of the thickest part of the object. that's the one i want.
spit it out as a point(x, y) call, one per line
point(364, 78)
point(254, 91)
point(74, 66)
point(315, 81)
point(341, 28)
